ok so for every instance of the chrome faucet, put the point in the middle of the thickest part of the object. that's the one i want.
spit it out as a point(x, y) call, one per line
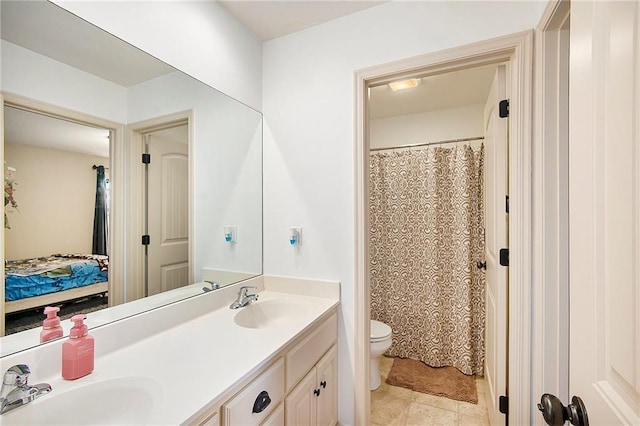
point(16, 392)
point(243, 298)
point(214, 286)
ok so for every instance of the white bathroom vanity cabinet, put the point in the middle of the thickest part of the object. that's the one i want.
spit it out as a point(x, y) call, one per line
point(300, 383)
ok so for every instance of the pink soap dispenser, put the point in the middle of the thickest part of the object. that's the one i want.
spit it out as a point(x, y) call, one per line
point(78, 352)
point(51, 325)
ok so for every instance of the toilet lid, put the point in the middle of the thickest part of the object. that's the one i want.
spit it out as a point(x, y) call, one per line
point(379, 330)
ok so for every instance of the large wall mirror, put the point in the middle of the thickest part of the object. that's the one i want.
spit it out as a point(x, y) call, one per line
point(128, 184)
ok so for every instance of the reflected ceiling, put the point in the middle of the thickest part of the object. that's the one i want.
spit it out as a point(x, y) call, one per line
point(47, 132)
point(29, 25)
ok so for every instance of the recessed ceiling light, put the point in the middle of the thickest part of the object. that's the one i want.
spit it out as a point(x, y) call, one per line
point(404, 84)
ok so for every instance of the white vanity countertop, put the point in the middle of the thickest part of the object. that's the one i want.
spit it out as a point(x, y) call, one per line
point(200, 360)
point(30, 338)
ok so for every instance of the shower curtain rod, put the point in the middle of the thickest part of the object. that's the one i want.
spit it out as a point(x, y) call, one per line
point(429, 143)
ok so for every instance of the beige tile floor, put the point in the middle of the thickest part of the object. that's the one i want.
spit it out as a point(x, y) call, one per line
point(392, 405)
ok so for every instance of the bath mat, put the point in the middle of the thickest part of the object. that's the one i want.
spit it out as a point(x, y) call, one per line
point(442, 381)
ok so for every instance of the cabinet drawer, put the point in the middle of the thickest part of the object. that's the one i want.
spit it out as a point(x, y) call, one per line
point(305, 354)
point(239, 410)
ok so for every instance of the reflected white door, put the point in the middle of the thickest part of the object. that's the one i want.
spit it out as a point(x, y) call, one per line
point(604, 206)
point(168, 223)
point(496, 237)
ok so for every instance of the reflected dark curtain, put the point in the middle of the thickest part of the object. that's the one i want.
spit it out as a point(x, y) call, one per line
point(100, 218)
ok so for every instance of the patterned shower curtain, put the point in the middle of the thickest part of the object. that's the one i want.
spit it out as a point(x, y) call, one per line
point(426, 237)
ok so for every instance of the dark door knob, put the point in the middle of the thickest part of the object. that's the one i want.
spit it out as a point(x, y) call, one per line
point(556, 414)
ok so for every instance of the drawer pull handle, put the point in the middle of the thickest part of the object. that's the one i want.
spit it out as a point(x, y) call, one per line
point(323, 384)
point(262, 401)
point(317, 392)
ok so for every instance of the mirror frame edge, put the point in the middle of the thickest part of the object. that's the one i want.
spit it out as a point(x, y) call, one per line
point(2, 301)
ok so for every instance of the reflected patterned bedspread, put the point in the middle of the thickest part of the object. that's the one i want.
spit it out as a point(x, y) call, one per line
point(44, 275)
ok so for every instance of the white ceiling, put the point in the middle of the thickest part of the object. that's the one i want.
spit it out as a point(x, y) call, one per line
point(76, 43)
point(28, 128)
point(269, 19)
point(450, 90)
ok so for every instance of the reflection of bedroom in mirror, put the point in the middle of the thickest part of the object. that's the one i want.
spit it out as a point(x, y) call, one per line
point(56, 216)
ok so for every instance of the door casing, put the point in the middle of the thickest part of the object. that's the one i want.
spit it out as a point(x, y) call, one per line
point(550, 294)
point(116, 209)
point(517, 51)
point(135, 250)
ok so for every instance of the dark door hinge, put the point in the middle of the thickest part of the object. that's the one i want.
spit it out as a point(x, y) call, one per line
point(507, 203)
point(504, 257)
point(146, 240)
point(503, 404)
point(503, 108)
point(146, 158)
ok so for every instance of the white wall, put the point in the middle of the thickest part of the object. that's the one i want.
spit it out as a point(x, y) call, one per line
point(56, 196)
point(198, 37)
point(308, 102)
point(429, 126)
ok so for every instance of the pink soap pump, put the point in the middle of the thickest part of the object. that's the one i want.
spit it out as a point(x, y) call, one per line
point(51, 325)
point(78, 352)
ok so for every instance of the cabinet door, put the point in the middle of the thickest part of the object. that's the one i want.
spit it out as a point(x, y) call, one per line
point(327, 376)
point(300, 405)
point(276, 418)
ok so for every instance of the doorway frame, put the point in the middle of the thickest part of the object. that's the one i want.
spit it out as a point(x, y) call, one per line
point(516, 50)
point(550, 296)
point(116, 178)
point(135, 222)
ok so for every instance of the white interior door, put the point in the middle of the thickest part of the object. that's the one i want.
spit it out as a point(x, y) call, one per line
point(604, 205)
point(168, 223)
point(496, 237)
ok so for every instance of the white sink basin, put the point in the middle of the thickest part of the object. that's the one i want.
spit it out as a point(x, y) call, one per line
point(270, 313)
point(121, 401)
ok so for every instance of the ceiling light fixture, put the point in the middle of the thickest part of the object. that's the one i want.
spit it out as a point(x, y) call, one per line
point(404, 84)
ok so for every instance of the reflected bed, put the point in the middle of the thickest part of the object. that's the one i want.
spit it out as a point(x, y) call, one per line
point(30, 283)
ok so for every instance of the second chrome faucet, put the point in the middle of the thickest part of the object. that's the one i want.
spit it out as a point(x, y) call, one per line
point(243, 298)
point(16, 391)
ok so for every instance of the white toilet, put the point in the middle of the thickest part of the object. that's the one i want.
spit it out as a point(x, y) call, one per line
point(380, 342)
